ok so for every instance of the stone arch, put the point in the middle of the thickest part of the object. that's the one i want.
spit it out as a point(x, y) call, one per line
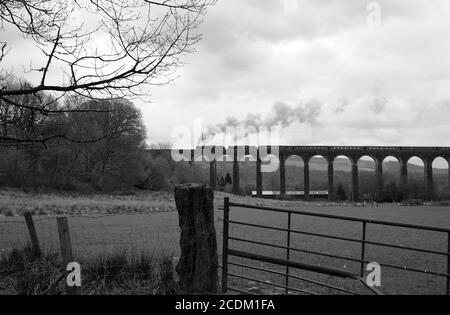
point(440, 161)
point(367, 177)
point(441, 177)
point(270, 175)
point(417, 187)
point(367, 156)
point(416, 165)
point(343, 156)
point(295, 165)
point(342, 174)
point(318, 168)
point(321, 156)
point(392, 166)
point(247, 174)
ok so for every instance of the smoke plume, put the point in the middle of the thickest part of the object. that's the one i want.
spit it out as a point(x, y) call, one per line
point(281, 114)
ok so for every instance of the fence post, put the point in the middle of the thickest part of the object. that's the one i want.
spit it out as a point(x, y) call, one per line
point(198, 264)
point(33, 235)
point(66, 249)
point(226, 218)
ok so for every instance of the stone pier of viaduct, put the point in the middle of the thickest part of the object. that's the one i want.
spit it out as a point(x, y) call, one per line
point(236, 154)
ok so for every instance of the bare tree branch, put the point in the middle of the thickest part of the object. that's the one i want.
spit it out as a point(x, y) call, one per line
point(43, 140)
point(96, 48)
point(143, 50)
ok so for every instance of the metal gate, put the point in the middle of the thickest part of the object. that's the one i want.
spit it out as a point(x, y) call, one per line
point(288, 263)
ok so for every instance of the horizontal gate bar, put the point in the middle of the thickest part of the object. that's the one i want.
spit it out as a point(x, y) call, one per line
point(404, 268)
point(343, 218)
point(429, 251)
point(329, 286)
point(294, 264)
point(297, 250)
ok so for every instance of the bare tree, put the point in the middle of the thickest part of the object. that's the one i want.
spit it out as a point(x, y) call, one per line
point(96, 48)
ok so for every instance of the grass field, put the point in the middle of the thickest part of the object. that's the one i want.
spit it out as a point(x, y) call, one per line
point(16, 202)
point(98, 230)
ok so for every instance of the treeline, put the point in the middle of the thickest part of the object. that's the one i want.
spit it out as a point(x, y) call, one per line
point(81, 144)
point(95, 144)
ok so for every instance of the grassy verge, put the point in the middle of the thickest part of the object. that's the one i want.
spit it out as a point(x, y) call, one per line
point(16, 202)
point(119, 272)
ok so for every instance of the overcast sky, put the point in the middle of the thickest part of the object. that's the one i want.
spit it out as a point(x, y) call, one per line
point(346, 82)
point(317, 68)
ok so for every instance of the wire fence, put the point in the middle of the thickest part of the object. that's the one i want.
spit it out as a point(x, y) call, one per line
point(93, 235)
point(156, 233)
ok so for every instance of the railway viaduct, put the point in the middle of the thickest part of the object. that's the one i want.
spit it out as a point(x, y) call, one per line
point(215, 155)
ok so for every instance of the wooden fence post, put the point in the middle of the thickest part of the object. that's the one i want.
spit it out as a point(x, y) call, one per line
point(66, 249)
point(198, 265)
point(33, 235)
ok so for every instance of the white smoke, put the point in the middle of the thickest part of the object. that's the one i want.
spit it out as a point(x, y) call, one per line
point(281, 114)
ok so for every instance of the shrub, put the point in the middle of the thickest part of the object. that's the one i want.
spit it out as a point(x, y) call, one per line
point(113, 273)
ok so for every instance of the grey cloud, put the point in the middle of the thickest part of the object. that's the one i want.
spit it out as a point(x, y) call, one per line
point(231, 122)
point(379, 103)
point(254, 54)
point(253, 120)
point(269, 20)
point(281, 114)
point(308, 112)
point(341, 106)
